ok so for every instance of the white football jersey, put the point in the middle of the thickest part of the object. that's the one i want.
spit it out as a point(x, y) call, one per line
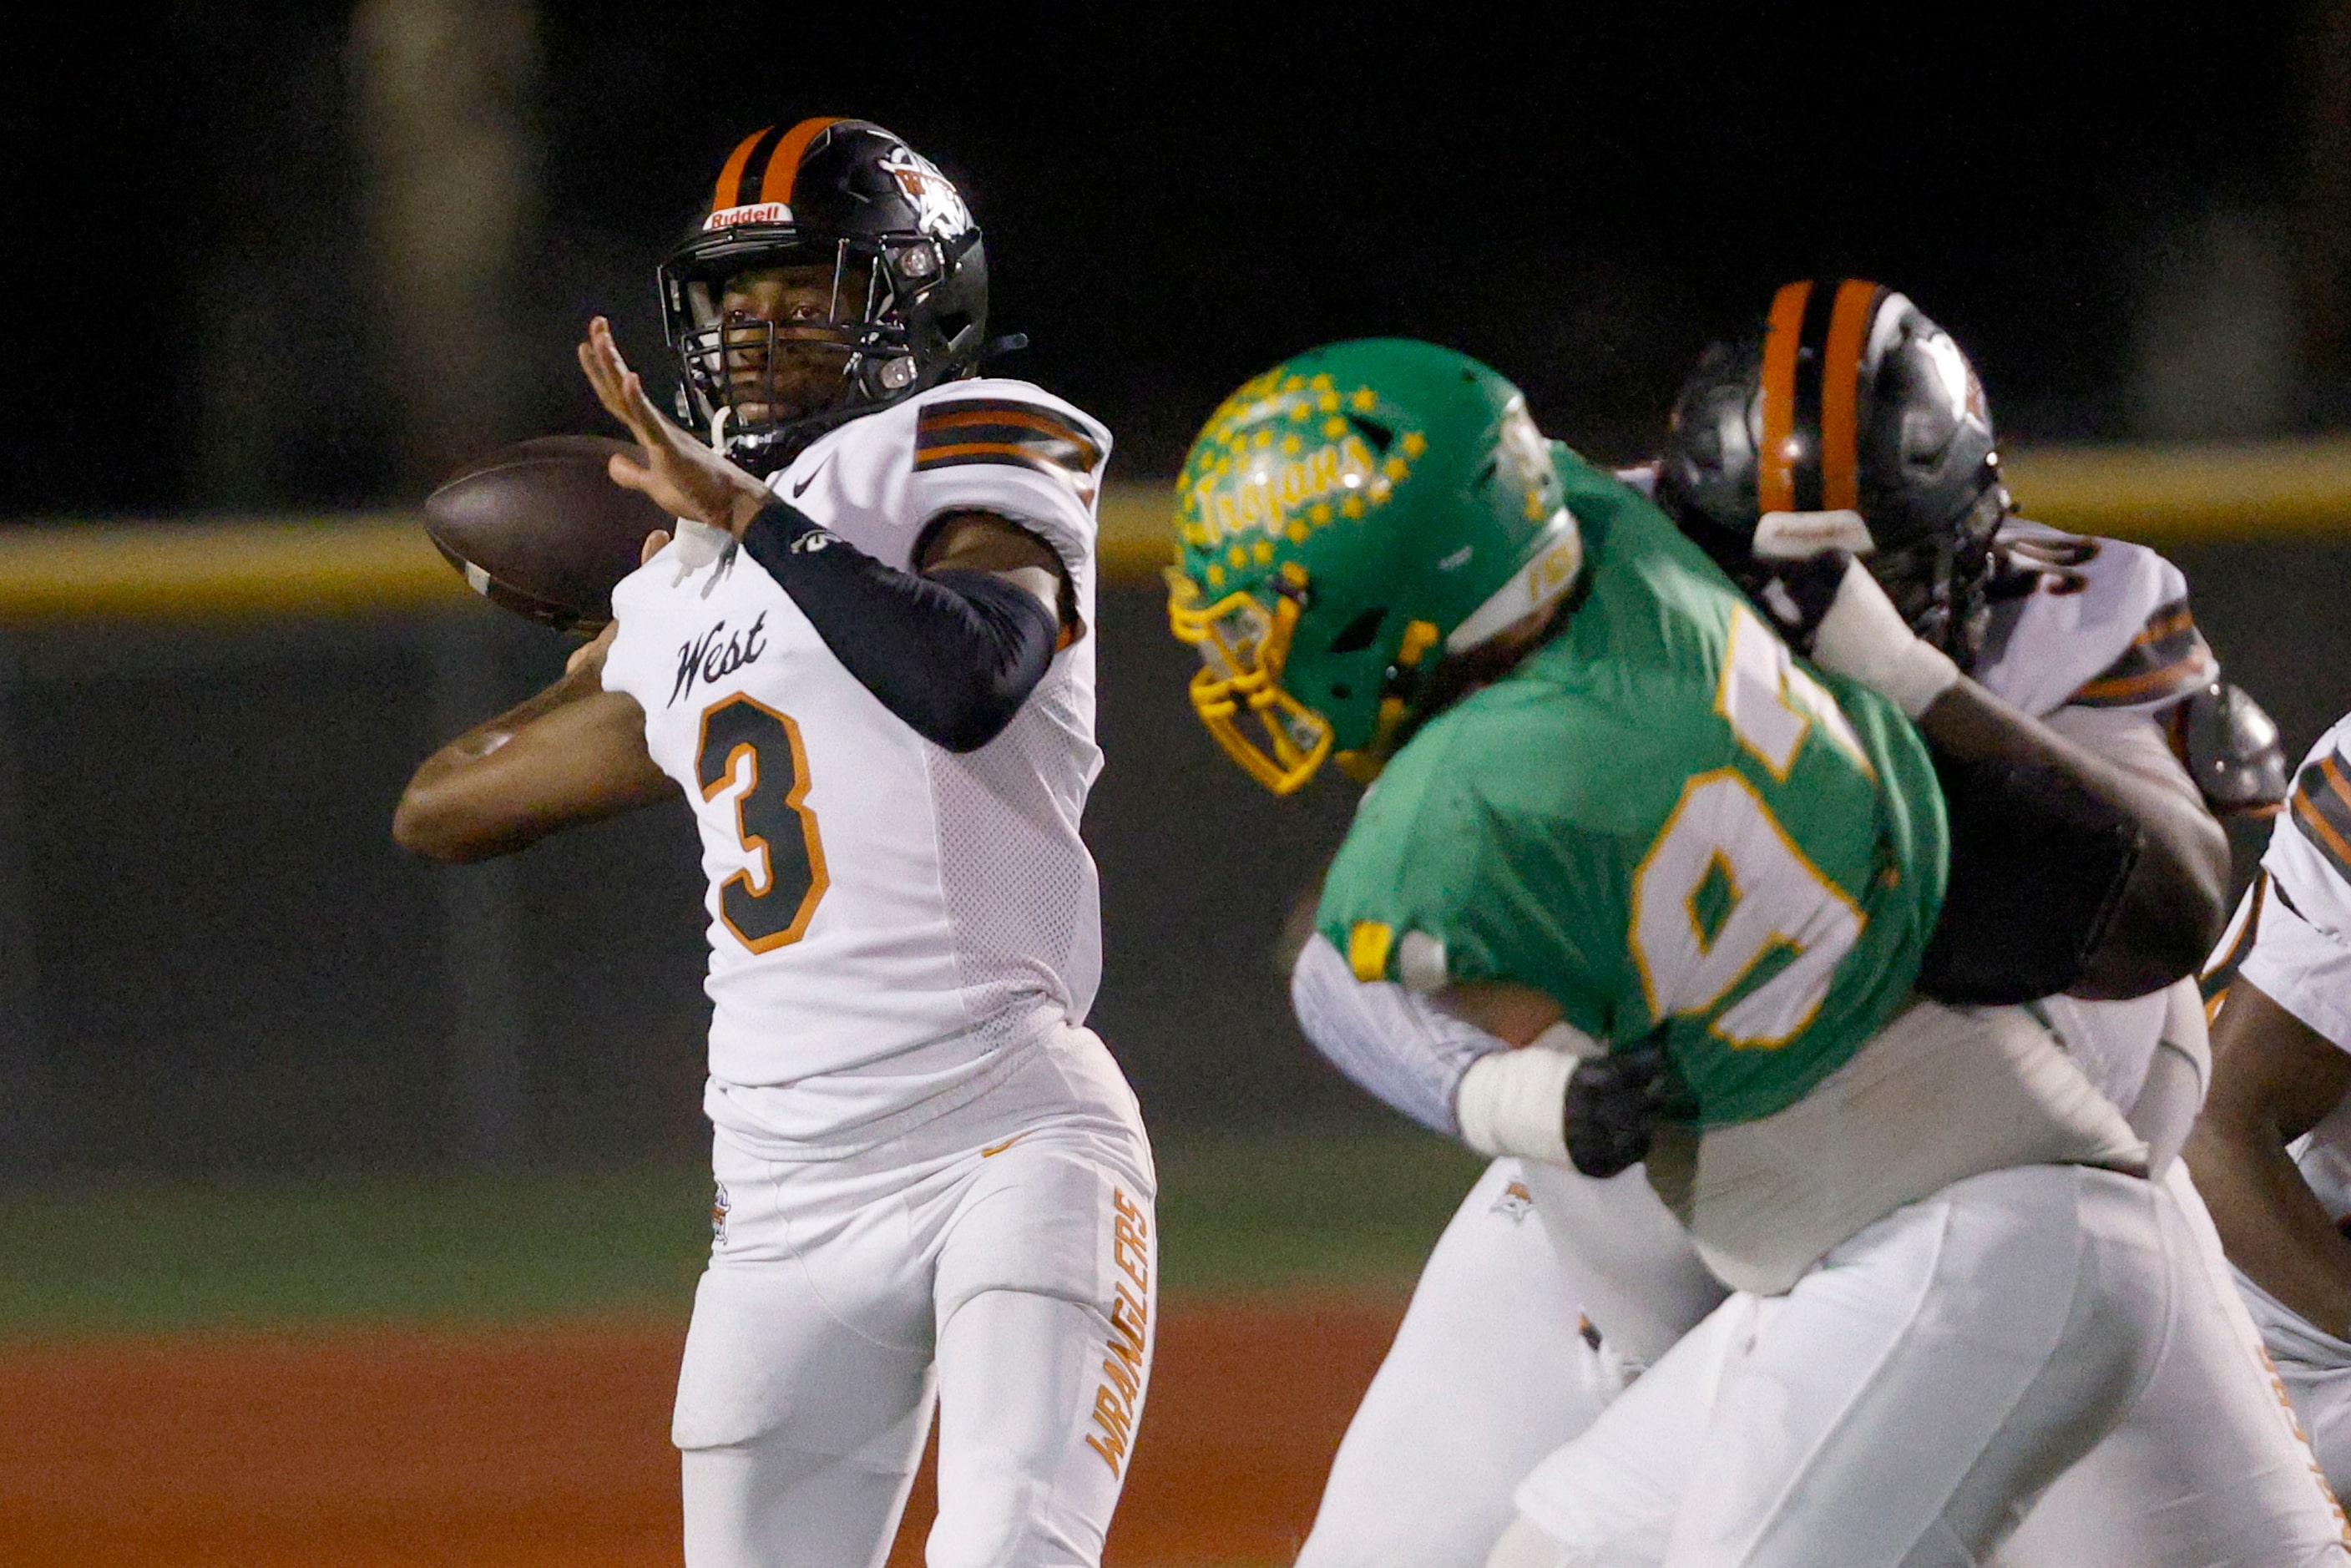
point(886, 916)
point(2291, 937)
point(2101, 647)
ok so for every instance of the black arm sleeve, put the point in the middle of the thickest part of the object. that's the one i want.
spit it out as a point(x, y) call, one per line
point(955, 654)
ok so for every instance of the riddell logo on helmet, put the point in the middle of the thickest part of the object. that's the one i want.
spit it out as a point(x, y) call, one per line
point(756, 212)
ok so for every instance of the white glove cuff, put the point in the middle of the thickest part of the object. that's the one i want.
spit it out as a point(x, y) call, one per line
point(1864, 636)
point(1515, 1103)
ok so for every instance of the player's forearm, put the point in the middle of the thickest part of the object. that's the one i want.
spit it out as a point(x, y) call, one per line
point(1392, 1045)
point(548, 763)
point(2272, 1226)
point(2171, 906)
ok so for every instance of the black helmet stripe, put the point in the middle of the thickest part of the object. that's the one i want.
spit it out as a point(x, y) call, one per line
point(1812, 354)
point(738, 178)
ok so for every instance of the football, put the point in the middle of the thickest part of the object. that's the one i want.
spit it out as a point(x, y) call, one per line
point(540, 528)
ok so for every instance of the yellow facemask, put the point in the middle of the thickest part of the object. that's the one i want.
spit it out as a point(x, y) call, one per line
point(1243, 645)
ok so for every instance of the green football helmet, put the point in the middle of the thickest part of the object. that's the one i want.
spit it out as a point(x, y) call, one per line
point(1346, 521)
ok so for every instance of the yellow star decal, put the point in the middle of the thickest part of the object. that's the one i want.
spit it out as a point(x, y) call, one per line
point(1237, 556)
point(1414, 443)
point(1291, 444)
point(1329, 401)
point(1365, 400)
point(1301, 410)
point(1334, 427)
point(1352, 507)
point(1296, 532)
point(1395, 468)
point(1263, 551)
point(1215, 576)
point(1319, 512)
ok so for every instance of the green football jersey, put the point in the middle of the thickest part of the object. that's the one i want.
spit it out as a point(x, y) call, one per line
point(1660, 817)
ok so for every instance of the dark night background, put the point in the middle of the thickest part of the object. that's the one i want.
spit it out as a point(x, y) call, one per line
point(1174, 198)
point(212, 958)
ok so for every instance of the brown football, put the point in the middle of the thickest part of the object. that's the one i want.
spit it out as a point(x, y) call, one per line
point(540, 528)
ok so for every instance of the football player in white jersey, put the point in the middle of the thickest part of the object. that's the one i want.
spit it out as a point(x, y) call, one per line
point(863, 661)
point(2273, 1150)
point(1548, 1289)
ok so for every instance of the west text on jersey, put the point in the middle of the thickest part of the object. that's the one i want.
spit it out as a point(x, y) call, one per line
point(717, 653)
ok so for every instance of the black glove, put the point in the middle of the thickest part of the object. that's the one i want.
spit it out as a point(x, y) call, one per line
point(1797, 594)
point(1613, 1103)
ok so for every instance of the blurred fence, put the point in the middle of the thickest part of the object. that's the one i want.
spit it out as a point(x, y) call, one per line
point(213, 957)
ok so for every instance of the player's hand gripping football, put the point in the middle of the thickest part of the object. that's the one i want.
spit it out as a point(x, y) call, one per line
point(676, 471)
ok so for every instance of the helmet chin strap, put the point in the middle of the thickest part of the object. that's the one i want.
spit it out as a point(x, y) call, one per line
point(718, 417)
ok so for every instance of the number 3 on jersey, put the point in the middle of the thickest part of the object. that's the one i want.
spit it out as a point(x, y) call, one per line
point(756, 751)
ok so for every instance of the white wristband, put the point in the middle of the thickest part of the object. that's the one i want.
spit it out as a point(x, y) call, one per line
point(1864, 636)
point(1515, 1103)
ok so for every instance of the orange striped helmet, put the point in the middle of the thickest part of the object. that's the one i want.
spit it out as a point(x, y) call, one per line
point(1852, 419)
point(908, 273)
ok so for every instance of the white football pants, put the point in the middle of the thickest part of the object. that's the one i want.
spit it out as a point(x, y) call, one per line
point(1904, 1403)
point(2315, 1368)
point(1490, 1372)
point(1001, 1259)
point(2209, 1469)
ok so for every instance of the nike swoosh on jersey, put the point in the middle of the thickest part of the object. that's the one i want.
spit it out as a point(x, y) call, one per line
point(801, 488)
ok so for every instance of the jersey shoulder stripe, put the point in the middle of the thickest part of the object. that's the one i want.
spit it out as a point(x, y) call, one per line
point(2167, 658)
point(2220, 971)
point(953, 433)
point(2321, 804)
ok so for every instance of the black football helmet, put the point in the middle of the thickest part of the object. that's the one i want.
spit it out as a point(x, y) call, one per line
point(909, 284)
point(1850, 419)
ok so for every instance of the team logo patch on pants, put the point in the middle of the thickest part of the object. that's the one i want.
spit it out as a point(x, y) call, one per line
point(718, 1215)
point(1125, 1355)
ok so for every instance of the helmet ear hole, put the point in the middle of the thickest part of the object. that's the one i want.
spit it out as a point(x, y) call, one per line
point(1359, 633)
point(1372, 430)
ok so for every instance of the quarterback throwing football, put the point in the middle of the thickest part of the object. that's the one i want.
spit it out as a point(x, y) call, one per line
point(932, 1180)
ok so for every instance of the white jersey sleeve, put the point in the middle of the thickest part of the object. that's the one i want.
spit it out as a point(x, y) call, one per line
point(983, 445)
point(1390, 1042)
point(2292, 935)
point(2089, 623)
point(2093, 636)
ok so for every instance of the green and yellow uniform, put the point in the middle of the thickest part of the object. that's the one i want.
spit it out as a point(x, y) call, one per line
point(1660, 817)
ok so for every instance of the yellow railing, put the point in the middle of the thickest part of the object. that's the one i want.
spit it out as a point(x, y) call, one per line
point(381, 563)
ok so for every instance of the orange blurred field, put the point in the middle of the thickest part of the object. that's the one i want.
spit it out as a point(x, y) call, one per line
point(515, 1448)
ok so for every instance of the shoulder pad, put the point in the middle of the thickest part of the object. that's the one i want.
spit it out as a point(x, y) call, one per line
point(2232, 747)
point(2094, 621)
